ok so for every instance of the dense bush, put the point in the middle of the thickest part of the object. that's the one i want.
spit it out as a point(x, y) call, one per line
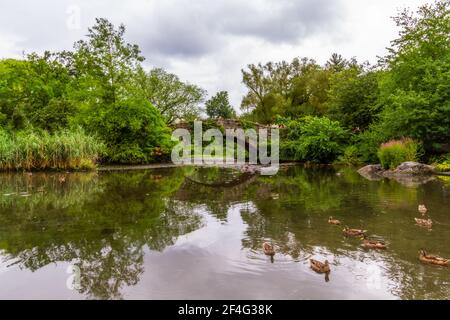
point(394, 152)
point(29, 150)
point(442, 163)
point(314, 139)
point(133, 130)
point(351, 156)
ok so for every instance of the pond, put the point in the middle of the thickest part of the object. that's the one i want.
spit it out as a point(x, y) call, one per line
point(197, 233)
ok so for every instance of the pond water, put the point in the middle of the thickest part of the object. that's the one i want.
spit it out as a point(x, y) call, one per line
point(177, 233)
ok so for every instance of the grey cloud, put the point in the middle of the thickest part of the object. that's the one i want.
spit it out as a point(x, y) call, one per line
point(199, 27)
point(171, 28)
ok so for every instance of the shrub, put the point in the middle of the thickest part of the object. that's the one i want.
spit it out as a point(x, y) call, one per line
point(132, 130)
point(442, 164)
point(314, 139)
point(394, 152)
point(37, 150)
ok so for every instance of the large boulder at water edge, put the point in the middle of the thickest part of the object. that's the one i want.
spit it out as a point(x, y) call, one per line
point(413, 168)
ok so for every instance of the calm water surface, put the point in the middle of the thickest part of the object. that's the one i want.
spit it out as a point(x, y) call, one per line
point(176, 233)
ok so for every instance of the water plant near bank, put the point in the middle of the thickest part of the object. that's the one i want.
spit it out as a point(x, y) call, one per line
point(39, 150)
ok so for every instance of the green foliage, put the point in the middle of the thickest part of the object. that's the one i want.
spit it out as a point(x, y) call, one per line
point(219, 106)
point(394, 152)
point(353, 97)
point(104, 64)
point(442, 167)
point(442, 163)
point(174, 99)
point(415, 93)
point(33, 92)
point(37, 150)
point(133, 130)
point(351, 156)
point(314, 139)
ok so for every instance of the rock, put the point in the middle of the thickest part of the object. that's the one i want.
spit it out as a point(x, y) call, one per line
point(410, 174)
point(412, 181)
point(413, 168)
point(372, 172)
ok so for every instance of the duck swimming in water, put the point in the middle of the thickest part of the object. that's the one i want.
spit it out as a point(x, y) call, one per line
point(373, 244)
point(333, 221)
point(268, 249)
point(432, 259)
point(354, 232)
point(320, 267)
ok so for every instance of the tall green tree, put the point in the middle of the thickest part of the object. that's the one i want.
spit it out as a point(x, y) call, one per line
point(415, 92)
point(352, 97)
point(174, 99)
point(219, 106)
point(104, 63)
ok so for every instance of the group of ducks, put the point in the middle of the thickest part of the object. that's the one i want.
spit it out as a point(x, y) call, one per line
point(324, 267)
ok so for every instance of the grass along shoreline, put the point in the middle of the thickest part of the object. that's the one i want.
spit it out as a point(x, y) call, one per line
point(39, 150)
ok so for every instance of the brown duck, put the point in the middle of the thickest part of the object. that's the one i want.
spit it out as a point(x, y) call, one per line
point(354, 232)
point(432, 259)
point(424, 222)
point(422, 209)
point(268, 249)
point(320, 267)
point(373, 244)
point(333, 221)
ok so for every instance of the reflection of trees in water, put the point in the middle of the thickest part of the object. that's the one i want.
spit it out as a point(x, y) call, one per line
point(297, 224)
point(102, 222)
point(101, 226)
point(217, 200)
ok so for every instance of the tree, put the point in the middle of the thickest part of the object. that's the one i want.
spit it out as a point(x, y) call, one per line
point(273, 87)
point(415, 92)
point(174, 99)
point(336, 63)
point(271, 78)
point(134, 131)
point(104, 64)
point(315, 139)
point(219, 106)
point(34, 92)
point(352, 98)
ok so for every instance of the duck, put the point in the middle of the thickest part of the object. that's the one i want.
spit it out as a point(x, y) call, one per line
point(432, 259)
point(422, 209)
point(373, 244)
point(62, 179)
point(354, 232)
point(424, 222)
point(333, 221)
point(268, 249)
point(320, 267)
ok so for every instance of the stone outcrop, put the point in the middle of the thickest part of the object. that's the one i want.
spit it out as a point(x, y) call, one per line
point(413, 168)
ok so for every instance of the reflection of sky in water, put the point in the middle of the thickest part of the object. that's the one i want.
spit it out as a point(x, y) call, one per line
point(206, 243)
point(215, 266)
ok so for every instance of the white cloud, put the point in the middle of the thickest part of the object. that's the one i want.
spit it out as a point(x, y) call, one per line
point(208, 42)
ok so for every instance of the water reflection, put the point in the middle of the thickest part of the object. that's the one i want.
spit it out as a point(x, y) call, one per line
point(168, 233)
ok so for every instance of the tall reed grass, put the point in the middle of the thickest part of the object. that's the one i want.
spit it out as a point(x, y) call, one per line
point(39, 150)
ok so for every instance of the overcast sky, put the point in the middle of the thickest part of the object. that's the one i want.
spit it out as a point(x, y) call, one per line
point(208, 42)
